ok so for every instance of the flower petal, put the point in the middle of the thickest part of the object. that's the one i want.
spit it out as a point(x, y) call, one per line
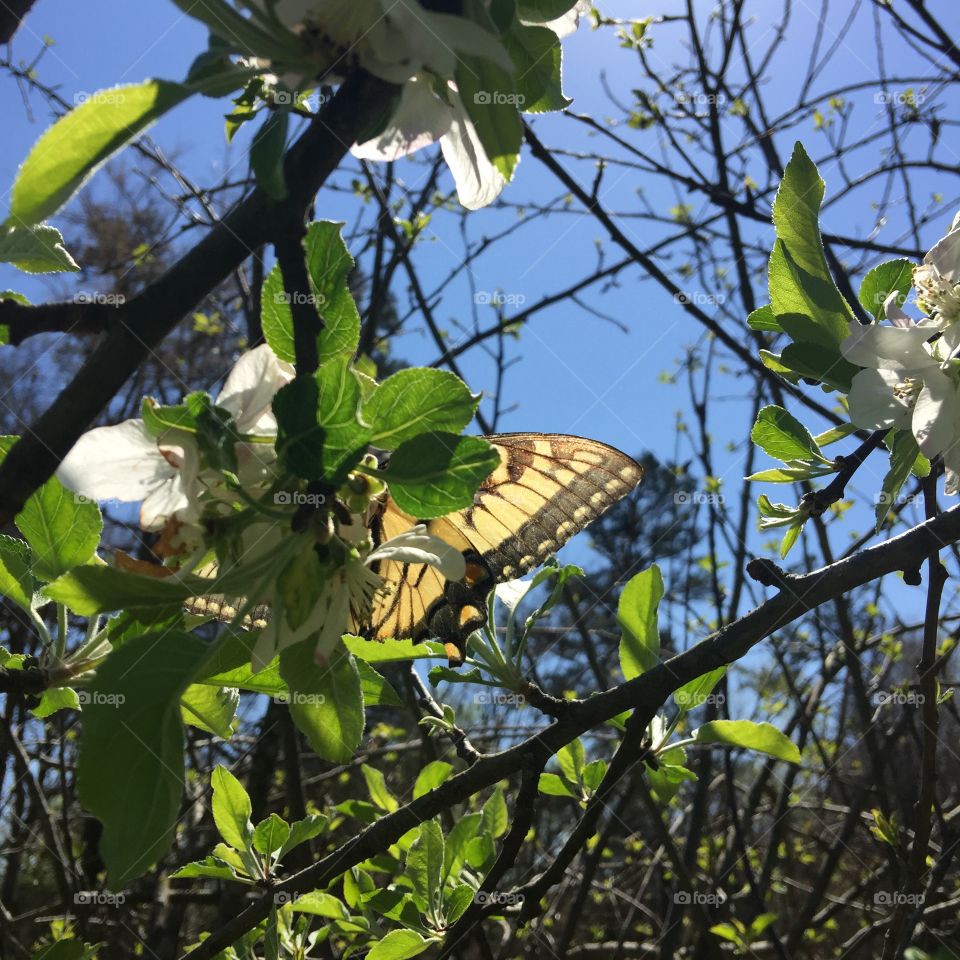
point(478, 181)
point(936, 415)
point(944, 255)
point(873, 403)
point(250, 387)
point(418, 546)
point(876, 345)
point(121, 462)
point(421, 118)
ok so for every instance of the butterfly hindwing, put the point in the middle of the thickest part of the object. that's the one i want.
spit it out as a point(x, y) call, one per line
point(547, 488)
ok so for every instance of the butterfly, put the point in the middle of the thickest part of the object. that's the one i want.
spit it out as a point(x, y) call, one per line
point(547, 488)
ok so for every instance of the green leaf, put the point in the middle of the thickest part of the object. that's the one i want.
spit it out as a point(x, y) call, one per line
point(211, 868)
point(400, 945)
point(881, 281)
point(93, 589)
point(762, 737)
point(455, 848)
point(554, 786)
point(37, 249)
point(231, 809)
point(494, 816)
point(819, 362)
point(695, 693)
point(210, 708)
point(572, 759)
point(266, 154)
point(593, 774)
point(436, 473)
point(62, 528)
point(783, 437)
point(243, 34)
point(537, 60)
point(320, 904)
point(789, 539)
point(540, 11)
point(131, 764)
point(763, 318)
point(637, 615)
point(55, 699)
point(392, 651)
point(488, 95)
point(416, 401)
point(903, 457)
point(425, 864)
point(16, 583)
point(377, 692)
point(270, 834)
point(379, 791)
point(800, 281)
point(82, 140)
point(301, 831)
point(457, 901)
point(431, 776)
point(329, 264)
point(320, 434)
point(328, 707)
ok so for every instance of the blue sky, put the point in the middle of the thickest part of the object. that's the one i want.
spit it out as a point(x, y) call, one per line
point(579, 374)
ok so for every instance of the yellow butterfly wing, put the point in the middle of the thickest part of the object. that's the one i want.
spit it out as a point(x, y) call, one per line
point(547, 488)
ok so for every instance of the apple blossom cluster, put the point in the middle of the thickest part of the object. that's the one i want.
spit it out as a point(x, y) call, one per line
point(209, 481)
point(463, 76)
point(911, 375)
